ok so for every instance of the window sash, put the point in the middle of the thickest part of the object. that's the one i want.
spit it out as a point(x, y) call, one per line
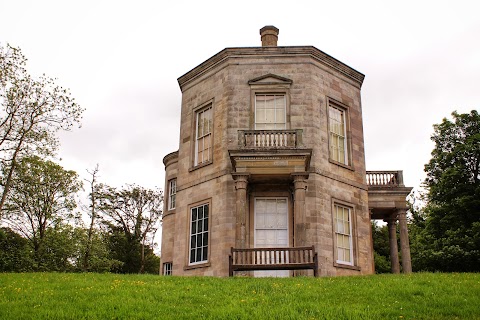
point(270, 111)
point(203, 136)
point(198, 249)
point(338, 141)
point(172, 194)
point(343, 234)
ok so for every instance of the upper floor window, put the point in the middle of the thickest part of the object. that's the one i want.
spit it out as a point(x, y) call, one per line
point(338, 134)
point(199, 234)
point(172, 194)
point(270, 111)
point(343, 234)
point(203, 135)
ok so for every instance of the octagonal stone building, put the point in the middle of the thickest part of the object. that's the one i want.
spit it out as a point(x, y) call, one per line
point(271, 155)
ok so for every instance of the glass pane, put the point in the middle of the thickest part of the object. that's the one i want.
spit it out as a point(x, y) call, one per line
point(205, 211)
point(280, 115)
point(200, 226)
point(340, 254)
point(194, 227)
point(205, 253)
point(199, 255)
point(270, 116)
point(280, 102)
point(269, 102)
point(200, 212)
point(192, 255)
point(194, 214)
point(205, 239)
point(205, 224)
point(193, 242)
point(347, 256)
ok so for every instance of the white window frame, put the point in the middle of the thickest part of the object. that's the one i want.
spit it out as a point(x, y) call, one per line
point(334, 150)
point(167, 269)
point(172, 194)
point(282, 121)
point(338, 232)
point(202, 137)
point(194, 232)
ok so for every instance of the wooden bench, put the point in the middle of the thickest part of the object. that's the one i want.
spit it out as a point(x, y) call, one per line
point(298, 258)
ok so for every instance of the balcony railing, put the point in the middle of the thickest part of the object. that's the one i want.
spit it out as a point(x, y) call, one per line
point(270, 139)
point(382, 179)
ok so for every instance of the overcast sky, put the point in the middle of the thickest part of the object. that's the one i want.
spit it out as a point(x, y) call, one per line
point(121, 60)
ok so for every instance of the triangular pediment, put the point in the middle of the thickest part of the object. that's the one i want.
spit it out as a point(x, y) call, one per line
point(270, 79)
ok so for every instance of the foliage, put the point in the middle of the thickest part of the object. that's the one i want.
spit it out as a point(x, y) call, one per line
point(15, 254)
point(32, 111)
point(41, 198)
point(133, 215)
point(381, 247)
point(105, 296)
point(445, 236)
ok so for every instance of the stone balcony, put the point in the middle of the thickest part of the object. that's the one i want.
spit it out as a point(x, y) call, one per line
point(270, 139)
point(270, 154)
point(386, 193)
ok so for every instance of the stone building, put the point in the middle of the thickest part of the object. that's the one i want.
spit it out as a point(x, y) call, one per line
point(271, 154)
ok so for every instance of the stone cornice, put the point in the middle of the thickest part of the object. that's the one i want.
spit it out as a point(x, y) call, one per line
point(170, 158)
point(311, 51)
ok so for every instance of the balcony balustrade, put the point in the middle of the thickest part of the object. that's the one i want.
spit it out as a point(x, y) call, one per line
point(385, 179)
point(270, 139)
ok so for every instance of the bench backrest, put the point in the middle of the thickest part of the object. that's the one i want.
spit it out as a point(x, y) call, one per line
point(273, 256)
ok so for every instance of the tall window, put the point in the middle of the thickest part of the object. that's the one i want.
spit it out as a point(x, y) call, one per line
point(199, 234)
point(172, 194)
point(338, 135)
point(270, 111)
point(167, 269)
point(203, 142)
point(343, 234)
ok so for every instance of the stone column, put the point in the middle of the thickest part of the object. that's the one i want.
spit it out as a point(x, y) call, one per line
point(299, 212)
point(392, 237)
point(241, 182)
point(404, 243)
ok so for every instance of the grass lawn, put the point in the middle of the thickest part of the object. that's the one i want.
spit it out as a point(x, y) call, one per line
point(111, 296)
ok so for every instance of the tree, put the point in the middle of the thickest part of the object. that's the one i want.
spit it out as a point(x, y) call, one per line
point(92, 212)
point(450, 236)
point(15, 255)
point(41, 197)
point(133, 214)
point(32, 111)
point(381, 248)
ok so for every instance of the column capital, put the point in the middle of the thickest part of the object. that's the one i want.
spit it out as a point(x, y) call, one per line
point(241, 180)
point(402, 214)
point(300, 180)
point(240, 176)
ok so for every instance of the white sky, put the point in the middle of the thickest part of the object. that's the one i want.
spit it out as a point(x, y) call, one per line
point(121, 60)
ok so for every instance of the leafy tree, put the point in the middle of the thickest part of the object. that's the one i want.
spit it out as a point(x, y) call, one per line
point(15, 254)
point(133, 214)
point(32, 111)
point(381, 247)
point(449, 236)
point(41, 197)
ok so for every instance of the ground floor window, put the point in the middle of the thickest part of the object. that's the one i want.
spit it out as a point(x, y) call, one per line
point(167, 268)
point(343, 234)
point(199, 234)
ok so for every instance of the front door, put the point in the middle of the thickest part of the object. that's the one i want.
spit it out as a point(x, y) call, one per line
point(271, 228)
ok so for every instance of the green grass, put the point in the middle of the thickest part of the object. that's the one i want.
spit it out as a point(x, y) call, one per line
point(109, 296)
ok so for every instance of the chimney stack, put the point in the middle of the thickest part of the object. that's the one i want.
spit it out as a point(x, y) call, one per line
point(269, 35)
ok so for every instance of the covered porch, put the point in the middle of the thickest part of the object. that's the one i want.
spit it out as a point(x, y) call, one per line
point(387, 201)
